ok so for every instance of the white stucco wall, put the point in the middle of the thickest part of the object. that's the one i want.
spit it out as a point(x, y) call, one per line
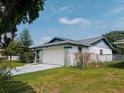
point(102, 44)
point(40, 56)
point(71, 55)
point(85, 49)
point(96, 50)
point(107, 52)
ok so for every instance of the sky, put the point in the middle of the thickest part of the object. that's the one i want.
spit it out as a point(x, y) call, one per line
point(76, 19)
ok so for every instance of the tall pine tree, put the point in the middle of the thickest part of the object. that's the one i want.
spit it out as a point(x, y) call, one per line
point(25, 40)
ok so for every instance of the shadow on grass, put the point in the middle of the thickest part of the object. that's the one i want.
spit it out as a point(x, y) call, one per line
point(117, 65)
point(15, 87)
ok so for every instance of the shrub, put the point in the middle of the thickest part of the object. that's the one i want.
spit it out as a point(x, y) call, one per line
point(3, 58)
point(82, 59)
point(5, 70)
point(27, 57)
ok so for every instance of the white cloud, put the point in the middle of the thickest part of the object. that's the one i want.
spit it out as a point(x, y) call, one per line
point(115, 11)
point(74, 21)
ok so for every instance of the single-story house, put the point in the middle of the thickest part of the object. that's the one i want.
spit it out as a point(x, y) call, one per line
point(61, 51)
point(13, 57)
point(120, 43)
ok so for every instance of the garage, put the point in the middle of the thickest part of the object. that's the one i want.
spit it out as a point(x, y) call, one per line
point(53, 56)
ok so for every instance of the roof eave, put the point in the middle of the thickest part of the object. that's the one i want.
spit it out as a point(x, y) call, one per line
point(63, 43)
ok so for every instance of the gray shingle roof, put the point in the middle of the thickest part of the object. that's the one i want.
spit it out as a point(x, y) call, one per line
point(90, 41)
point(60, 43)
point(63, 39)
point(84, 42)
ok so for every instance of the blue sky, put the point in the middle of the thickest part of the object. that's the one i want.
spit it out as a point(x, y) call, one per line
point(76, 19)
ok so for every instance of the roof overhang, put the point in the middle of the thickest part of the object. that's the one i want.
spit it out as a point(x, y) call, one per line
point(59, 44)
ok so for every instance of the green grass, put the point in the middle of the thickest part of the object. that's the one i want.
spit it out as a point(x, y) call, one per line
point(106, 79)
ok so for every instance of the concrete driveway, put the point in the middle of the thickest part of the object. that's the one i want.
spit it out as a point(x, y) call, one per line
point(32, 68)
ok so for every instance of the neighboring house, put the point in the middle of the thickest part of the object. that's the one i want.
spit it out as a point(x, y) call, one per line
point(61, 51)
point(13, 58)
point(120, 43)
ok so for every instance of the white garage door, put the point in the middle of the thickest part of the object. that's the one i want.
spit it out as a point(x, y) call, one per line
point(53, 56)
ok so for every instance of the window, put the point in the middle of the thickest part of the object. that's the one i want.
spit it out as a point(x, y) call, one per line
point(80, 49)
point(101, 52)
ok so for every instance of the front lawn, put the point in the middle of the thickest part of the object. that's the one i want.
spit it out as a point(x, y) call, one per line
point(107, 79)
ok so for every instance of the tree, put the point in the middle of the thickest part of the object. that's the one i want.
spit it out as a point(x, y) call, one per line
point(25, 43)
point(25, 40)
point(5, 70)
point(14, 12)
point(12, 48)
point(5, 39)
point(113, 37)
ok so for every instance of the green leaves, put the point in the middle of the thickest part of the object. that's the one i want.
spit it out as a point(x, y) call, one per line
point(5, 70)
point(113, 37)
point(12, 48)
point(25, 40)
point(18, 11)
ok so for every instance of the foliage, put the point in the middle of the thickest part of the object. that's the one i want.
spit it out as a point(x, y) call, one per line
point(22, 45)
point(27, 57)
point(4, 40)
point(113, 37)
point(12, 48)
point(14, 63)
point(82, 59)
point(14, 12)
point(3, 58)
point(7, 85)
point(25, 40)
point(5, 69)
